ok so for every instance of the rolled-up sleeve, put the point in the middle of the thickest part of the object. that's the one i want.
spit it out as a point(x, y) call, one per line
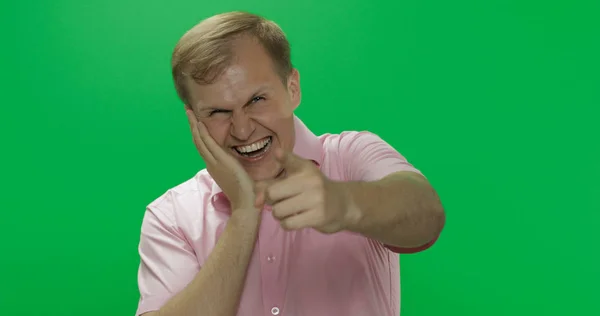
point(167, 261)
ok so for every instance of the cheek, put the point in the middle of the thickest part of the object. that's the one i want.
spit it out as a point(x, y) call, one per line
point(218, 130)
point(272, 111)
point(278, 119)
point(275, 121)
point(281, 126)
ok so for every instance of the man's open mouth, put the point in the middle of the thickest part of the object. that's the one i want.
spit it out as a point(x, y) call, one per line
point(255, 149)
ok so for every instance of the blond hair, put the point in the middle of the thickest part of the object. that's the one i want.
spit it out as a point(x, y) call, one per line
point(205, 51)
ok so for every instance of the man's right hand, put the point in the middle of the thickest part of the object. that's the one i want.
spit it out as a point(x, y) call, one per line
point(217, 287)
point(223, 167)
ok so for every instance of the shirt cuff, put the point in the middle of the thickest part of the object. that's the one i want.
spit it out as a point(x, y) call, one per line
point(400, 250)
point(150, 304)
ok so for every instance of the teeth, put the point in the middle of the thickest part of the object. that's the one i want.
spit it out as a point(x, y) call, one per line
point(253, 147)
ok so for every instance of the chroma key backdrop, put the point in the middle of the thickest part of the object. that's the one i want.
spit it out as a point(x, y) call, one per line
point(496, 102)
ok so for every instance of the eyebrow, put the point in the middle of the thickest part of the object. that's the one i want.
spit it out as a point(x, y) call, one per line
point(260, 90)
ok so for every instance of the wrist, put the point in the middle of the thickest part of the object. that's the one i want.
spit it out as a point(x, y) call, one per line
point(246, 217)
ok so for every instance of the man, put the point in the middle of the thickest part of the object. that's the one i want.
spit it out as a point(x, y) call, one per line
point(281, 222)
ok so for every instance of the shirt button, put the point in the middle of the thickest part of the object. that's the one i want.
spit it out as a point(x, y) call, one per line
point(271, 259)
point(275, 311)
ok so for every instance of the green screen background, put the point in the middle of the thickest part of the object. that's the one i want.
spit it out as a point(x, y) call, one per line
point(495, 101)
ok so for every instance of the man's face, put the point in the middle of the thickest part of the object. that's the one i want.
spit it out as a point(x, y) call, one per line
point(248, 110)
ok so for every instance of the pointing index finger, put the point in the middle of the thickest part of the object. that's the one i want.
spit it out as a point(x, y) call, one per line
point(260, 189)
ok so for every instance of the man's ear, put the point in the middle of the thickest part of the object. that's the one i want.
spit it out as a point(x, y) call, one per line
point(294, 88)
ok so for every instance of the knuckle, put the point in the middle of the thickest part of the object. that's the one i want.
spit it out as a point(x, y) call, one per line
point(285, 225)
point(269, 190)
point(322, 217)
point(318, 181)
point(311, 180)
point(318, 198)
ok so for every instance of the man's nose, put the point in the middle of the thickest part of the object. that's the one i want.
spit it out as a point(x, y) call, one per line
point(242, 126)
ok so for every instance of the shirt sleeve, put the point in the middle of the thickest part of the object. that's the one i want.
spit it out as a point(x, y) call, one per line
point(167, 261)
point(367, 157)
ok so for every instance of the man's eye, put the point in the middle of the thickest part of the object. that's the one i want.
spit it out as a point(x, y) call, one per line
point(256, 99)
point(217, 111)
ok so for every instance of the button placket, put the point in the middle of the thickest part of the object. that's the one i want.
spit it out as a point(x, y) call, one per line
point(270, 250)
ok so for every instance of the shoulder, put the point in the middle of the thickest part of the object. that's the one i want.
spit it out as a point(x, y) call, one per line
point(350, 140)
point(361, 155)
point(353, 145)
point(185, 218)
point(178, 203)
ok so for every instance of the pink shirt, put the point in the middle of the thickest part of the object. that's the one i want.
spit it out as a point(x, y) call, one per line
point(298, 273)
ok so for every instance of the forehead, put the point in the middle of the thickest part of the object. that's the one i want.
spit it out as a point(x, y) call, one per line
point(251, 69)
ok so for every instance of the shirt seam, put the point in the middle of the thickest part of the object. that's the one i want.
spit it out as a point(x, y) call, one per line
point(390, 305)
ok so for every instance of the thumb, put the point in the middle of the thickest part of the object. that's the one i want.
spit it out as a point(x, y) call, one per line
point(290, 161)
point(260, 190)
point(259, 202)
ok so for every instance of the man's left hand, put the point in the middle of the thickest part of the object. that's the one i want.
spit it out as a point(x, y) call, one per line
point(306, 198)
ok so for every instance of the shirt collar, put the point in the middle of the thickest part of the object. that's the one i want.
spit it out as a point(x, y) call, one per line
point(307, 145)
